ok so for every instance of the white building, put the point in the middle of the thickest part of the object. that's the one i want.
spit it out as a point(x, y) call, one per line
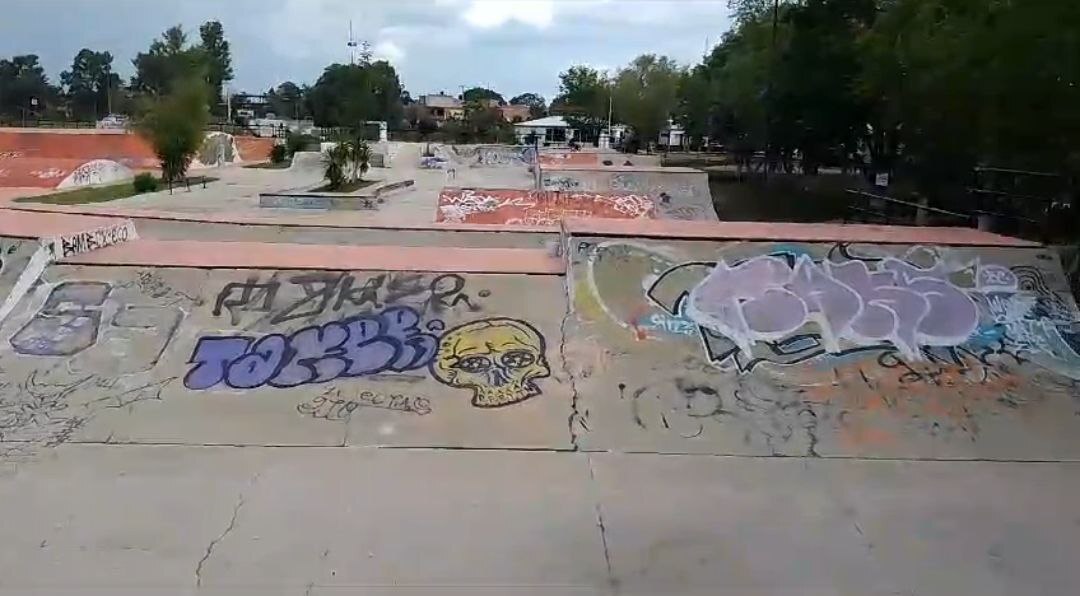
point(550, 131)
point(671, 135)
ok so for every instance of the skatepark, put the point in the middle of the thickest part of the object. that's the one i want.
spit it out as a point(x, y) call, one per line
point(521, 373)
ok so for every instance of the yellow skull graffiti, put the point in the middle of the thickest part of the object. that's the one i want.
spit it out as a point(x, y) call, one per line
point(499, 359)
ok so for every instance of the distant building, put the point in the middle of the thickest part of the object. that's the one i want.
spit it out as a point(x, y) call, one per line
point(443, 107)
point(671, 135)
point(552, 130)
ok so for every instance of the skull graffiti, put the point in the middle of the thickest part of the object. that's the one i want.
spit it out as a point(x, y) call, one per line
point(499, 359)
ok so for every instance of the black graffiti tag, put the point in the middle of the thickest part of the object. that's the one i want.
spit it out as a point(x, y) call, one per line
point(335, 291)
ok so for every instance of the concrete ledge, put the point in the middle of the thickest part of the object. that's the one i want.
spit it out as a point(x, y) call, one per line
point(256, 255)
point(318, 201)
point(393, 187)
point(791, 232)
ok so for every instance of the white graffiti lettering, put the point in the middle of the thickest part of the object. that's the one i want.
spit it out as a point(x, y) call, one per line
point(765, 299)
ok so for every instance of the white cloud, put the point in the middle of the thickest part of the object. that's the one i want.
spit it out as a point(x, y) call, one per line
point(388, 50)
point(488, 14)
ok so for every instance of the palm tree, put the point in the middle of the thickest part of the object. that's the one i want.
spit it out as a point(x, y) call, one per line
point(335, 163)
point(359, 156)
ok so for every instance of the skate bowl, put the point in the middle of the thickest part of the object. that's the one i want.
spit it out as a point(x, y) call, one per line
point(680, 193)
point(65, 159)
point(537, 208)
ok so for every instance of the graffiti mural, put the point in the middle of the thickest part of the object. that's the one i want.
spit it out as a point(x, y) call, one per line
point(526, 207)
point(498, 359)
point(844, 348)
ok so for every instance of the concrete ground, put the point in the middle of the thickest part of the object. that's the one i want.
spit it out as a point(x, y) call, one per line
point(621, 476)
point(149, 520)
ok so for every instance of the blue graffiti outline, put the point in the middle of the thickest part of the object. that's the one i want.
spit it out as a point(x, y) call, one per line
point(397, 332)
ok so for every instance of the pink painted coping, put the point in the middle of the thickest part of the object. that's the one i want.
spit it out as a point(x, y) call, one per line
point(25, 224)
point(257, 255)
point(335, 220)
point(790, 232)
point(618, 168)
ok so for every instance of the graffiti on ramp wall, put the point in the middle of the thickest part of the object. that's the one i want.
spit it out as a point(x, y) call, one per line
point(541, 208)
point(860, 348)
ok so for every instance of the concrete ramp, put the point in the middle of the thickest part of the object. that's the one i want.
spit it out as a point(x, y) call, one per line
point(184, 355)
point(307, 161)
point(823, 349)
point(680, 193)
point(485, 156)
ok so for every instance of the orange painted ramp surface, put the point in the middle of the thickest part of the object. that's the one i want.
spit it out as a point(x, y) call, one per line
point(568, 159)
point(531, 207)
point(128, 149)
point(254, 148)
point(36, 172)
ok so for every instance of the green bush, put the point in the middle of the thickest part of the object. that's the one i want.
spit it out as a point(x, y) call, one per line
point(278, 154)
point(145, 182)
point(300, 142)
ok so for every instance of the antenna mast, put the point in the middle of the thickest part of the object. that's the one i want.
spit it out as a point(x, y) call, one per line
point(352, 45)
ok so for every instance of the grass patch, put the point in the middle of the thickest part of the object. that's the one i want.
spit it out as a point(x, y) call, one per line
point(347, 187)
point(269, 165)
point(102, 194)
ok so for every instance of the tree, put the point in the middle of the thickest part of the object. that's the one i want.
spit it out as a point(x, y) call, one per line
point(482, 122)
point(287, 101)
point(174, 124)
point(168, 61)
point(646, 94)
point(584, 99)
point(477, 94)
point(537, 104)
point(90, 84)
point(216, 52)
point(24, 89)
point(351, 94)
point(359, 155)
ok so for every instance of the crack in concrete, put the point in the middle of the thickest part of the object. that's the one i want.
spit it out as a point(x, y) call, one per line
point(229, 528)
point(613, 583)
point(575, 415)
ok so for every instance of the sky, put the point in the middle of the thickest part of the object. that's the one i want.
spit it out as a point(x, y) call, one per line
point(512, 46)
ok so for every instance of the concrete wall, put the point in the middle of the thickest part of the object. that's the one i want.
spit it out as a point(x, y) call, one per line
point(831, 350)
point(285, 358)
point(680, 193)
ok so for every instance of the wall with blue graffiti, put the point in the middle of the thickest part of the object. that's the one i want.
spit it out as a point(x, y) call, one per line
point(388, 357)
point(815, 348)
